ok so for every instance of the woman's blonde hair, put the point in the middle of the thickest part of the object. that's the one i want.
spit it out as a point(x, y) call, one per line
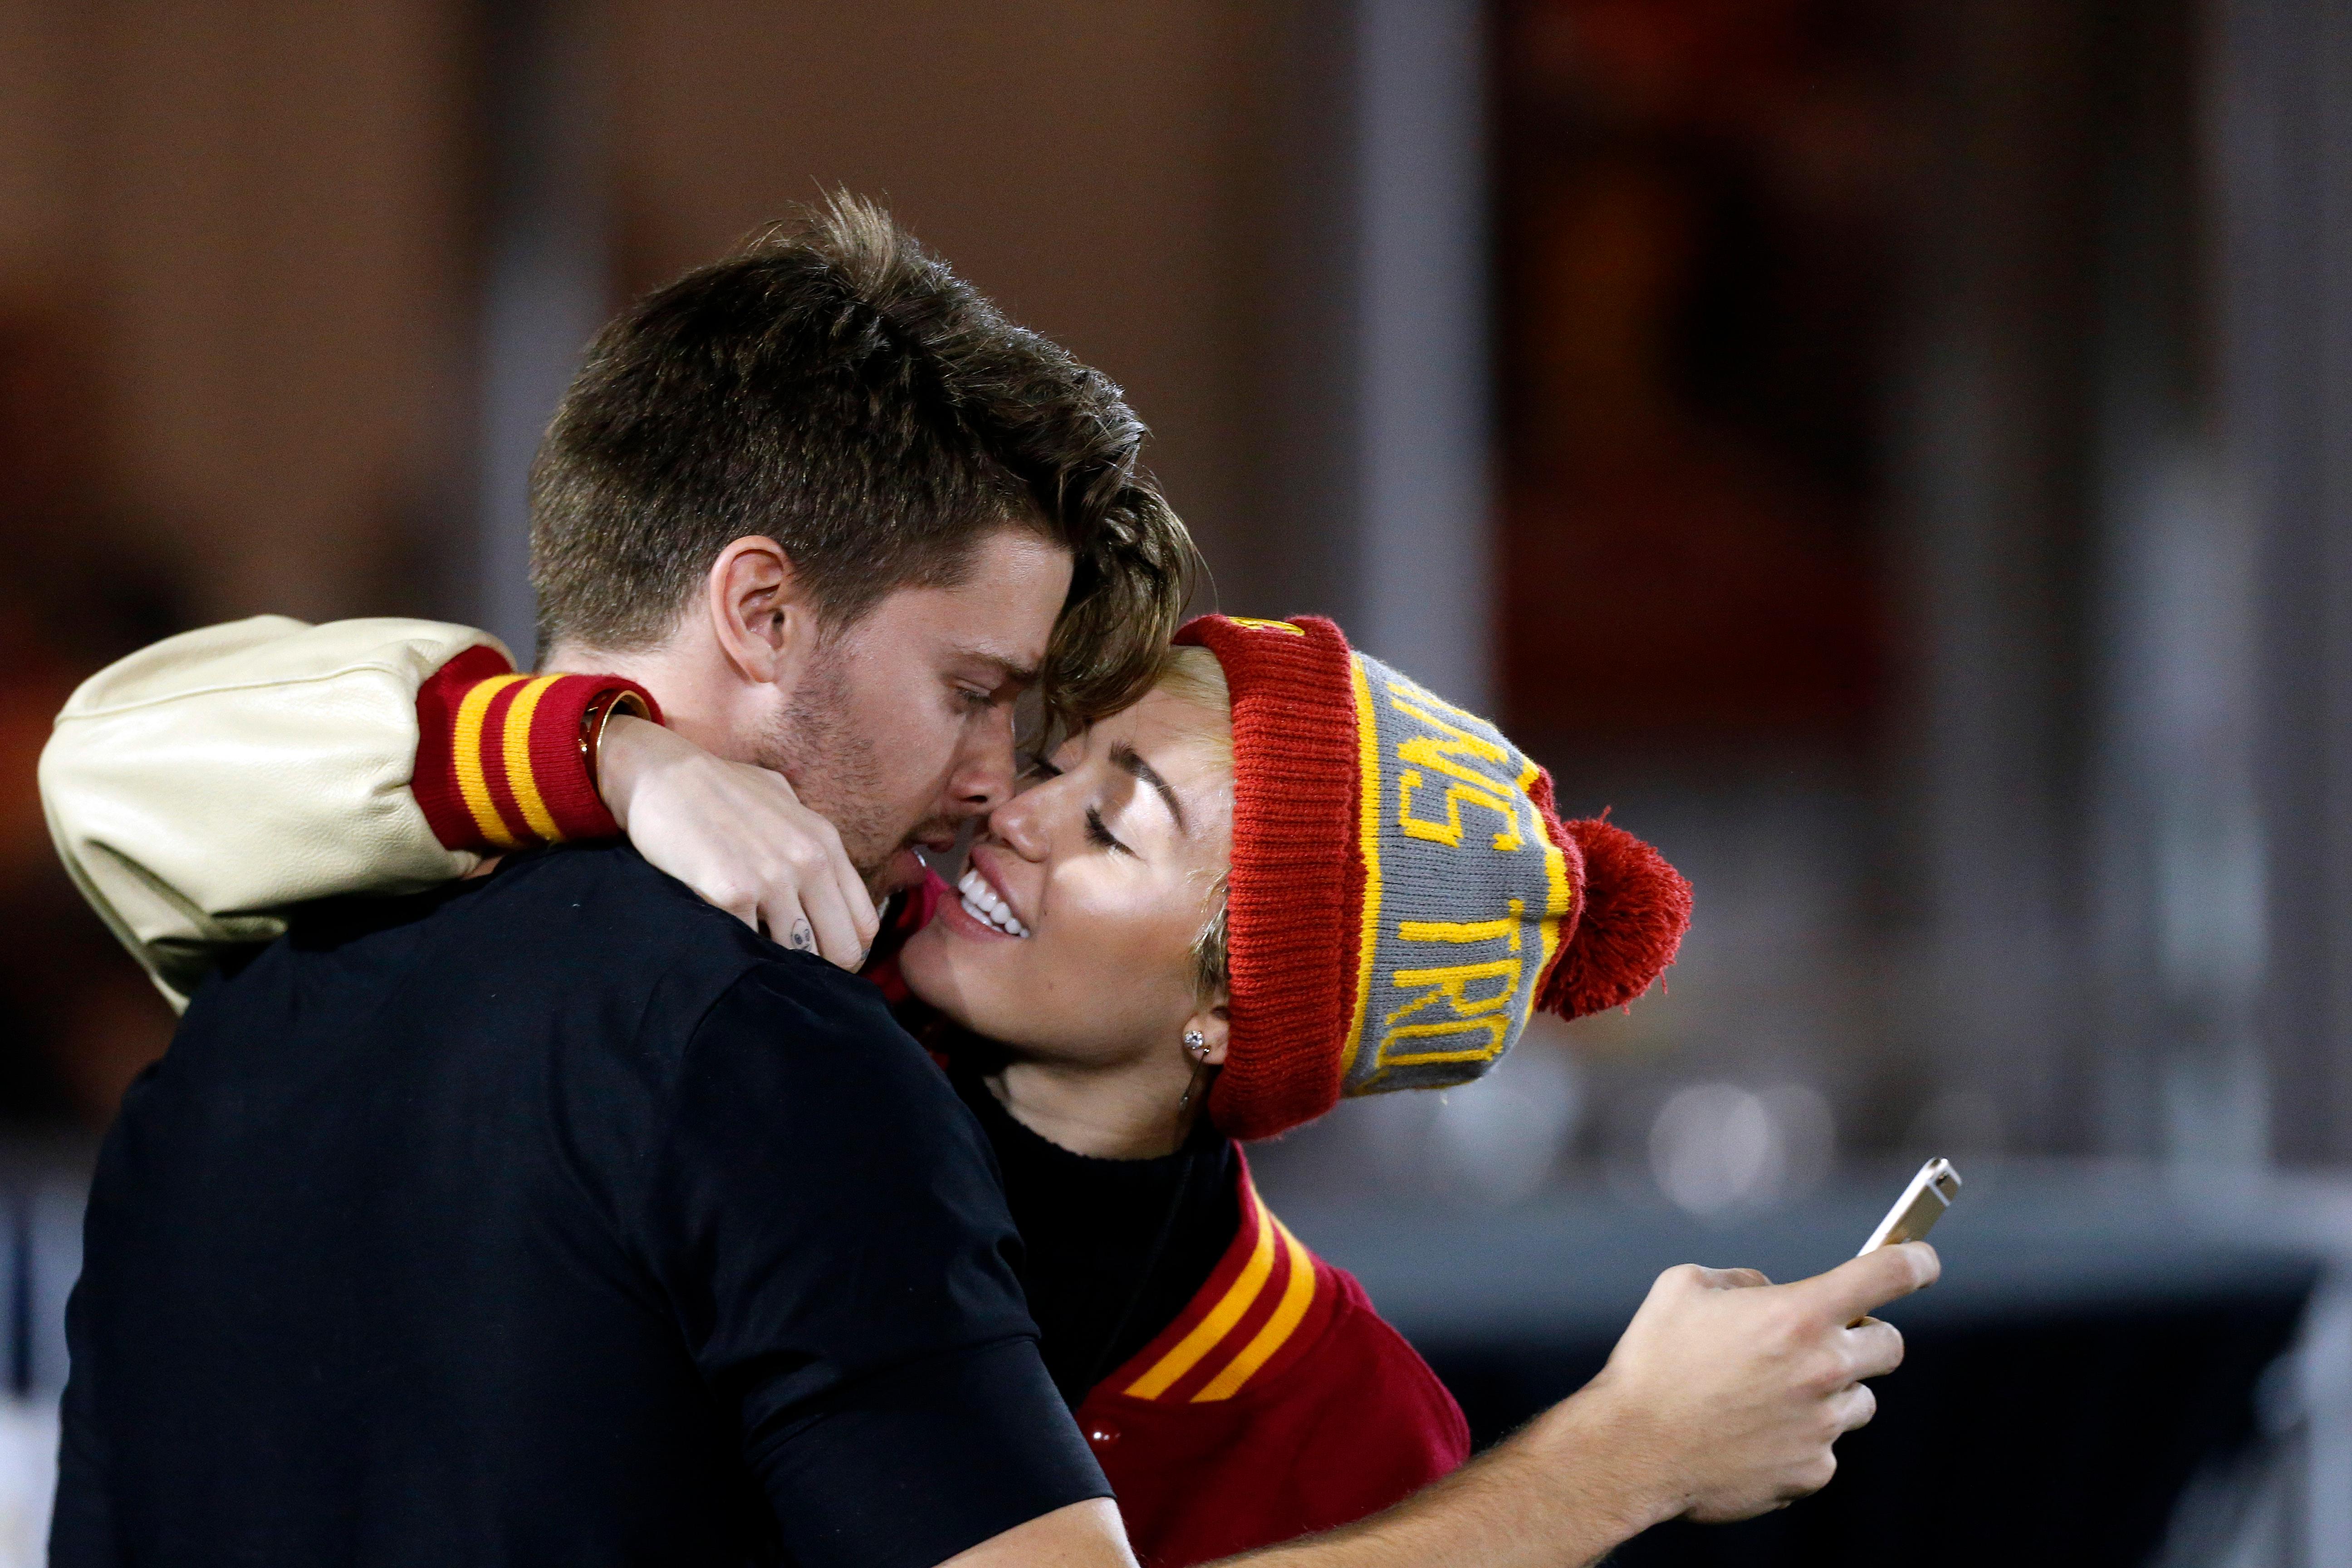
point(1192, 675)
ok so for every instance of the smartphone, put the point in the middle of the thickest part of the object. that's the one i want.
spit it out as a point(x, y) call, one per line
point(1922, 1202)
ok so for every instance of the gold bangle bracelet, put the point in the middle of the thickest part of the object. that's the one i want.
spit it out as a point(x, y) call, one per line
point(593, 722)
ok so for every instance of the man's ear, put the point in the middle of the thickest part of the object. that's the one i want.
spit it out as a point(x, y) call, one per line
point(1214, 1029)
point(760, 610)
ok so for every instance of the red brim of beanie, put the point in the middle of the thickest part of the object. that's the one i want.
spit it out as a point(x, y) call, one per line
point(1293, 898)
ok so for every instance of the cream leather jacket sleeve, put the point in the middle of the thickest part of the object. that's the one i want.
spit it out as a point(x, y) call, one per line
point(199, 787)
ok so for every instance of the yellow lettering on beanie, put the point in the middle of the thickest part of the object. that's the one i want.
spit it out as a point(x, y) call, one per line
point(1449, 832)
point(1452, 984)
point(1464, 931)
point(1495, 1026)
point(1470, 786)
point(1488, 1017)
point(1426, 1016)
point(1404, 685)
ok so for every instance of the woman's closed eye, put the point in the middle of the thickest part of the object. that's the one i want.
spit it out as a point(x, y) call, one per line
point(1035, 766)
point(1099, 835)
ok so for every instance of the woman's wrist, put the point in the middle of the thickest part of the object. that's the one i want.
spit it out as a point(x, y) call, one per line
point(599, 713)
point(1629, 1479)
point(628, 748)
point(1566, 1489)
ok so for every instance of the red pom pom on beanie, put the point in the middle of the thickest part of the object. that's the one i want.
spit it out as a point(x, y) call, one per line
point(1636, 909)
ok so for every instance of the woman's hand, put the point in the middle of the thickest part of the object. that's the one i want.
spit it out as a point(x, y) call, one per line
point(1725, 1398)
point(1733, 1392)
point(739, 836)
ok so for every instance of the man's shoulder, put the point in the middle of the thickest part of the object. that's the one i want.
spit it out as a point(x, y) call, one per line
point(611, 871)
point(605, 907)
point(584, 969)
point(643, 929)
point(590, 928)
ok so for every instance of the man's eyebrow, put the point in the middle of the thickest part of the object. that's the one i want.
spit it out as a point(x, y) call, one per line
point(1125, 758)
point(1009, 671)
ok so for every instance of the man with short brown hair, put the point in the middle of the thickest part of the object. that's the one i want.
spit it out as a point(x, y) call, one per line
point(555, 1216)
point(836, 388)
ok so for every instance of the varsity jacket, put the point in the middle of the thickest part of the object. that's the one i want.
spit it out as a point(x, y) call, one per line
point(1277, 1404)
point(200, 789)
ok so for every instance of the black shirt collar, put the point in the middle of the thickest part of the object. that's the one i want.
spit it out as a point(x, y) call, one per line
point(1114, 1250)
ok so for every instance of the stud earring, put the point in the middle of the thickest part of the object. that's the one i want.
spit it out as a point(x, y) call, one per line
point(1198, 1044)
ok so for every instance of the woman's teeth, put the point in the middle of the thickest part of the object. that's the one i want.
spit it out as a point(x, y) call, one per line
point(981, 903)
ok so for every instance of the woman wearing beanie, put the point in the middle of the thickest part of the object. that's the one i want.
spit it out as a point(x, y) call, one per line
point(1287, 875)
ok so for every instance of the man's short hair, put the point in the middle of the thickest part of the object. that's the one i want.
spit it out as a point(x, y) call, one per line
point(834, 386)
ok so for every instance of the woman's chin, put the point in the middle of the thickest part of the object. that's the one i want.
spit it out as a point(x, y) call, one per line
point(940, 966)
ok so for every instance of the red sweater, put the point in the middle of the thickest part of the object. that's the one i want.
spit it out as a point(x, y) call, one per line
point(1276, 1404)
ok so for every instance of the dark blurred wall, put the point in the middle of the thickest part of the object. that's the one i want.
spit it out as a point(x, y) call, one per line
point(1994, 420)
point(1871, 431)
point(2124, 421)
point(1101, 170)
point(1870, 538)
point(2279, 89)
point(248, 218)
point(260, 223)
point(246, 259)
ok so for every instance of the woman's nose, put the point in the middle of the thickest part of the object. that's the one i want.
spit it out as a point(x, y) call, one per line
point(1019, 822)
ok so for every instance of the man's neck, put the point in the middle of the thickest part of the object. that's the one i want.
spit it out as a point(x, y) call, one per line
point(692, 703)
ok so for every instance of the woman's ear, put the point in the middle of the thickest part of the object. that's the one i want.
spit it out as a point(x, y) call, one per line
point(760, 610)
point(1213, 1027)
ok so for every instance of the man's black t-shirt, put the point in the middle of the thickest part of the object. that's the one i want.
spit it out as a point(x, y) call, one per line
point(554, 1218)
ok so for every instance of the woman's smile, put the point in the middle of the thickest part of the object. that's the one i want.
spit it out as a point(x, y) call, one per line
point(1107, 863)
point(986, 905)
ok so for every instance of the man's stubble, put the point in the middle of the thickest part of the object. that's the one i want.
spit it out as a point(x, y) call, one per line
point(837, 769)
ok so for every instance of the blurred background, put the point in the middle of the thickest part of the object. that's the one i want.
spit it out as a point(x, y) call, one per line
point(1896, 455)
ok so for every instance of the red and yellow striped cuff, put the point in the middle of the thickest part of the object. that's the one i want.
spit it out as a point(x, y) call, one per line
point(499, 760)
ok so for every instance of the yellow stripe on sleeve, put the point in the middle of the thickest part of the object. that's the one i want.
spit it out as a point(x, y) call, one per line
point(466, 753)
point(1221, 1318)
point(1296, 1295)
point(519, 778)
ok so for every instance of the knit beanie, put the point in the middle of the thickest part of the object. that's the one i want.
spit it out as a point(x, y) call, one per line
point(1403, 895)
